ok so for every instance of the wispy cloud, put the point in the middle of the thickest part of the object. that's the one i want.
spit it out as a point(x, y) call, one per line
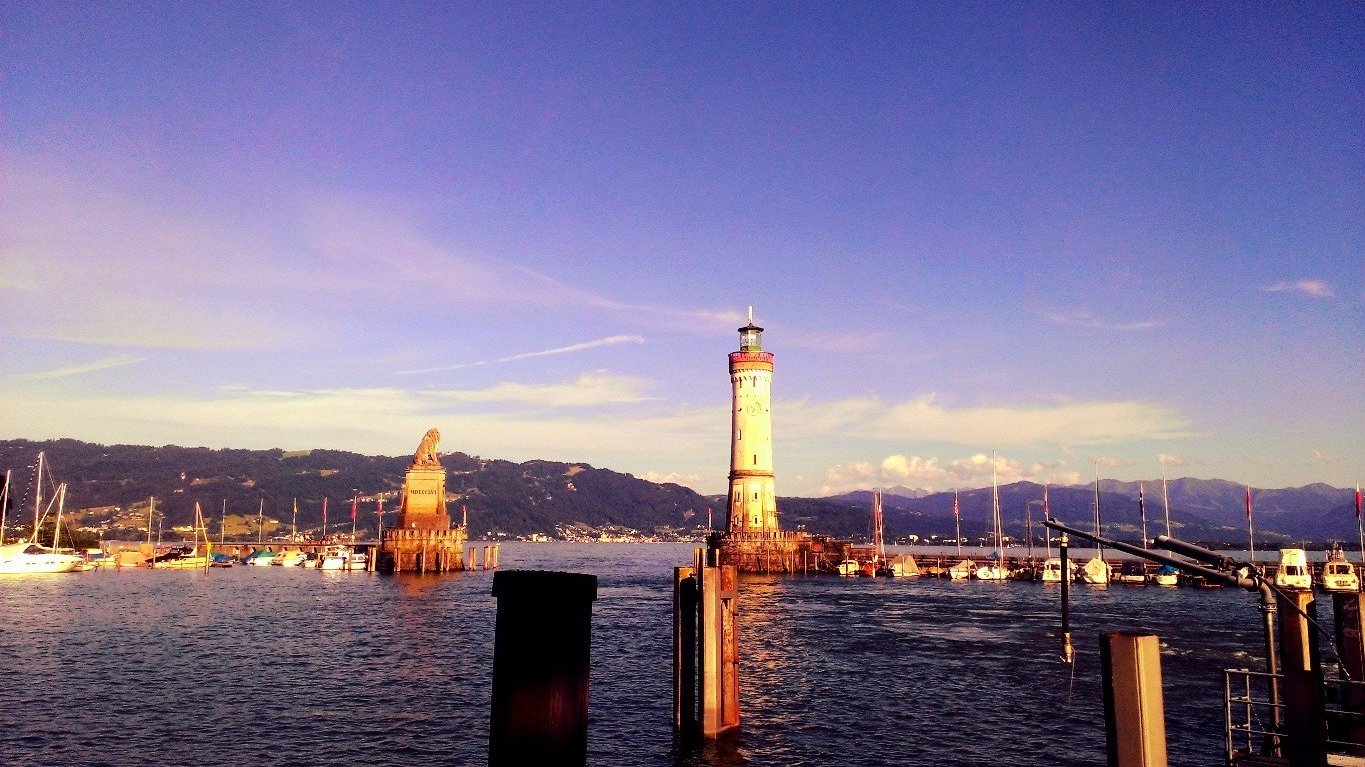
point(1314, 288)
point(1326, 458)
point(89, 367)
point(586, 345)
point(1171, 460)
point(588, 390)
point(1085, 319)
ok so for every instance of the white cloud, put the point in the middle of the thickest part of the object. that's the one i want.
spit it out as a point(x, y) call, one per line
point(1171, 460)
point(920, 419)
point(1084, 318)
point(1326, 458)
point(586, 345)
point(1314, 288)
point(588, 390)
point(936, 475)
point(90, 367)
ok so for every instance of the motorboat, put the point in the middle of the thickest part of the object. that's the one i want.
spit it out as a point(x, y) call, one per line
point(334, 558)
point(1132, 572)
point(848, 568)
point(181, 558)
point(1293, 571)
point(1165, 576)
point(358, 560)
point(290, 559)
point(962, 570)
point(991, 572)
point(901, 566)
point(27, 557)
point(1338, 574)
point(1096, 571)
point(1052, 570)
point(260, 558)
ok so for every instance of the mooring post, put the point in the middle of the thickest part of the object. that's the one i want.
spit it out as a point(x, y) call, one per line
point(1068, 653)
point(719, 651)
point(684, 649)
point(1305, 717)
point(541, 648)
point(1350, 630)
point(1134, 716)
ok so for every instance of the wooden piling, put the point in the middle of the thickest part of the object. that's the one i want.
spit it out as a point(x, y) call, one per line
point(1349, 613)
point(1134, 716)
point(684, 648)
point(540, 668)
point(1305, 717)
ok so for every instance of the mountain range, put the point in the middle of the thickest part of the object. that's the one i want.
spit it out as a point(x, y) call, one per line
point(109, 486)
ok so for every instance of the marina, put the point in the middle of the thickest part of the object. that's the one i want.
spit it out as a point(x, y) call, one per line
point(931, 670)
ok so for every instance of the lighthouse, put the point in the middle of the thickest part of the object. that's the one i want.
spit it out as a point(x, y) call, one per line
point(753, 502)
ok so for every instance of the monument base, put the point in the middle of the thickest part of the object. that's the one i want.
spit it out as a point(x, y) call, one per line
point(422, 551)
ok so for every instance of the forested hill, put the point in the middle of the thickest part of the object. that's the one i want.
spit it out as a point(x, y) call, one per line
point(112, 483)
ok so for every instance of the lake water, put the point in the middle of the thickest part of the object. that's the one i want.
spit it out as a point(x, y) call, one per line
point(283, 666)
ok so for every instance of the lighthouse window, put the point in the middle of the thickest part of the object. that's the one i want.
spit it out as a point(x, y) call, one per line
point(755, 459)
point(755, 496)
point(739, 435)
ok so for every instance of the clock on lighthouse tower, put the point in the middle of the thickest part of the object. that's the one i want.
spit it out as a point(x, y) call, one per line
point(752, 507)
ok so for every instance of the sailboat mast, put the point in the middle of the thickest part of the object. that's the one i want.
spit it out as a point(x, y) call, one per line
point(1047, 514)
point(995, 510)
point(151, 549)
point(294, 535)
point(4, 507)
point(1165, 502)
point(878, 546)
point(38, 497)
point(222, 525)
point(957, 526)
point(61, 501)
point(1099, 547)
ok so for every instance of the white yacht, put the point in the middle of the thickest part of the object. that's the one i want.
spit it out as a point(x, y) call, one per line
point(25, 557)
point(1293, 571)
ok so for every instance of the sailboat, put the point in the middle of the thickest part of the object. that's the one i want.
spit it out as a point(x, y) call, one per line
point(30, 556)
point(189, 557)
point(996, 570)
point(873, 568)
point(1052, 566)
point(1166, 575)
point(1097, 571)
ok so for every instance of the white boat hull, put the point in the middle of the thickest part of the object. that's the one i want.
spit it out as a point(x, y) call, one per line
point(25, 558)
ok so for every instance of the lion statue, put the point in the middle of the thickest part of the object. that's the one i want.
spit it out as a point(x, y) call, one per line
point(426, 452)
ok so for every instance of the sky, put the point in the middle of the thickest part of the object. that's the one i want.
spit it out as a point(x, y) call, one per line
point(1113, 238)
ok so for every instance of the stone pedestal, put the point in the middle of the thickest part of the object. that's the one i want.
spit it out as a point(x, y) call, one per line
point(422, 551)
point(422, 539)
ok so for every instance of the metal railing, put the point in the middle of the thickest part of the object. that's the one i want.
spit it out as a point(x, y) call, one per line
point(1248, 716)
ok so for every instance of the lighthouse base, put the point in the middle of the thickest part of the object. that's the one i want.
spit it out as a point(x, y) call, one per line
point(792, 553)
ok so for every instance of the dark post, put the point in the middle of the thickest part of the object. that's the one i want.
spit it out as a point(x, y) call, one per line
point(1068, 654)
point(540, 668)
point(1350, 629)
point(684, 649)
point(1305, 718)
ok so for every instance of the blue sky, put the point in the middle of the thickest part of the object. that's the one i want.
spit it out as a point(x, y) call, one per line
point(1124, 235)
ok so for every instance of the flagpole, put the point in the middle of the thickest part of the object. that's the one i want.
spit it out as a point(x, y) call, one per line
point(324, 518)
point(1142, 512)
point(1165, 501)
point(1360, 529)
point(1251, 530)
point(1047, 514)
point(957, 525)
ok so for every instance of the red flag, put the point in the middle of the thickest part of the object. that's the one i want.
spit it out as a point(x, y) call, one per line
point(380, 511)
point(1357, 501)
point(354, 503)
point(1248, 504)
point(324, 513)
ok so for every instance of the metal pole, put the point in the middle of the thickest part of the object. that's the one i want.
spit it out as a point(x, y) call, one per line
point(1068, 653)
